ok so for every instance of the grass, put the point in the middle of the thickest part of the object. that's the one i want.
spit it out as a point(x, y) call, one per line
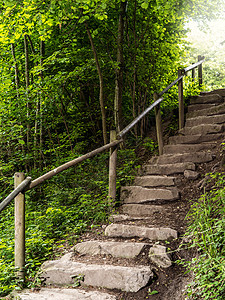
point(207, 232)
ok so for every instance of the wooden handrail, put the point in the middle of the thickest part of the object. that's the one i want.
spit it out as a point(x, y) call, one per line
point(115, 140)
point(28, 184)
point(20, 188)
point(191, 67)
point(181, 75)
point(137, 119)
point(72, 163)
point(170, 85)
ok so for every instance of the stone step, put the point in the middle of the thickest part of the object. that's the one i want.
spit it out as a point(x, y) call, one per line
point(168, 169)
point(203, 129)
point(220, 92)
point(197, 157)
point(115, 249)
point(154, 181)
point(207, 99)
point(141, 211)
point(65, 271)
point(194, 139)
point(158, 255)
point(188, 148)
point(122, 217)
point(216, 119)
point(131, 231)
point(138, 194)
point(195, 107)
point(63, 294)
point(217, 110)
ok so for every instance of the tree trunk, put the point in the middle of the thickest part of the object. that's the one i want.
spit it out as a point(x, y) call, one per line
point(101, 96)
point(16, 70)
point(134, 75)
point(119, 69)
point(16, 82)
point(27, 80)
point(37, 110)
point(42, 54)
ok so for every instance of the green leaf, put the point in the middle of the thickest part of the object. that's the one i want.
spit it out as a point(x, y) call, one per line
point(153, 293)
point(144, 5)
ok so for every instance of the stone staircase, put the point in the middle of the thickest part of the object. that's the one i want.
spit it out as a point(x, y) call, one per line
point(123, 258)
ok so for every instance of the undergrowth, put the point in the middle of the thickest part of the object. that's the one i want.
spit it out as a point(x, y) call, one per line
point(207, 233)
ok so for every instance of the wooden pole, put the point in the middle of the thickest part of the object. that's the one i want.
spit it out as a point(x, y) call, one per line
point(193, 74)
point(158, 125)
point(19, 228)
point(112, 169)
point(181, 100)
point(200, 71)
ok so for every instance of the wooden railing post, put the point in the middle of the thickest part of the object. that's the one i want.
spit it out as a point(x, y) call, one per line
point(19, 228)
point(112, 169)
point(200, 71)
point(193, 74)
point(158, 125)
point(181, 100)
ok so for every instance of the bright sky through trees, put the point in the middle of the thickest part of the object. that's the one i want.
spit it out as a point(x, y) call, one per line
point(213, 36)
point(209, 40)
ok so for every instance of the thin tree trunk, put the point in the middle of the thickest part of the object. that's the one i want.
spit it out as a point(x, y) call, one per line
point(64, 120)
point(42, 54)
point(16, 70)
point(27, 80)
point(17, 82)
point(134, 75)
point(37, 111)
point(101, 96)
point(119, 69)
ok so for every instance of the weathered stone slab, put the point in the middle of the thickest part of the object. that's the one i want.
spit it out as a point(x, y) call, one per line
point(192, 175)
point(219, 109)
point(168, 169)
point(195, 107)
point(63, 272)
point(63, 294)
point(121, 217)
point(158, 255)
point(197, 157)
point(216, 119)
point(220, 92)
point(154, 181)
point(194, 139)
point(188, 148)
point(138, 194)
point(129, 231)
point(116, 249)
point(203, 129)
point(207, 98)
point(142, 210)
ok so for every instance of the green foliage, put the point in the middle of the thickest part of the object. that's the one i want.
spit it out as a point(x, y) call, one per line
point(206, 230)
point(150, 145)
